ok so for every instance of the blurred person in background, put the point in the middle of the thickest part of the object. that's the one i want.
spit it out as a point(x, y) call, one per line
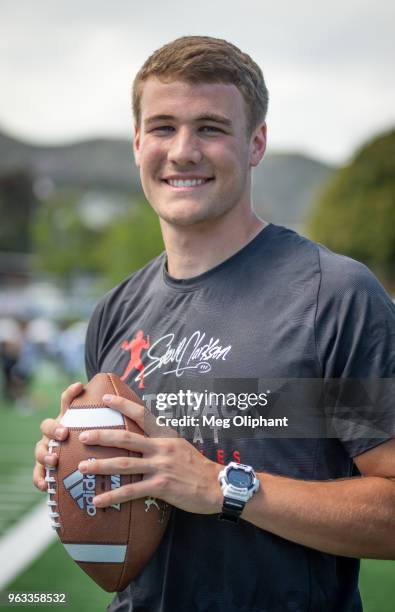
point(18, 359)
point(67, 348)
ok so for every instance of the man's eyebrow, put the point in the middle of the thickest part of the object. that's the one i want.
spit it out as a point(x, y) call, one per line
point(214, 117)
point(159, 118)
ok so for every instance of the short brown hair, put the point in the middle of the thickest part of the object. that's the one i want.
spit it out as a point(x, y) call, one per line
point(203, 59)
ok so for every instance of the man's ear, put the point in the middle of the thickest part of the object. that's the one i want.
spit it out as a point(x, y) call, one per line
point(136, 146)
point(258, 144)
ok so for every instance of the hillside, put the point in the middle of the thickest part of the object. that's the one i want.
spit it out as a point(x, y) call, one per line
point(284, 184)
point(97, 163)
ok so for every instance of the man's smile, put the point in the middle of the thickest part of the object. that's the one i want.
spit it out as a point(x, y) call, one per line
point(190, 182)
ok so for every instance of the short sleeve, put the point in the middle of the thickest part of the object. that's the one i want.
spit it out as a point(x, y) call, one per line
point(355, 335)
point(92, 342)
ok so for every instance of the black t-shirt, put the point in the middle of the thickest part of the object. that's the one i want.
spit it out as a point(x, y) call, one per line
point(281, 309)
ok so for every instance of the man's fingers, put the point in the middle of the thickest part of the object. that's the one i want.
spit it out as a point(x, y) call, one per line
point(118, 438)
point(52, 429)
point(118, 465)
point(69, 394)
point(140, 415)
point(42, 454)
point(39, 477)
point(41, 449)
point(143, 488)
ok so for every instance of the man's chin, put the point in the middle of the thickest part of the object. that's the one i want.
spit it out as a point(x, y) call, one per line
point(185, 220)
point(189, 215)
point(186, 217)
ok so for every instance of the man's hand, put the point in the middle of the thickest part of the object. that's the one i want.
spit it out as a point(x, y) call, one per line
point(50, 428)
point(173, 470)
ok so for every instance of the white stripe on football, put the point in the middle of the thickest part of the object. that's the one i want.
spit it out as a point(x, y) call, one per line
point(97, 553)
point(92, 417)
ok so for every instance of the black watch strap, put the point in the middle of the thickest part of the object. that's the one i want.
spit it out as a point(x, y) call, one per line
point(231, 510)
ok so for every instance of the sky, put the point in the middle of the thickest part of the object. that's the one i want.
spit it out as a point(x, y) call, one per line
point(66, 68)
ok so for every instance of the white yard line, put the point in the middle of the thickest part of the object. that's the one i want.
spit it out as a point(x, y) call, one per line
point(24, 542)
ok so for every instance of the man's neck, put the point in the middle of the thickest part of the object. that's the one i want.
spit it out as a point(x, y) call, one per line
point(194, 250)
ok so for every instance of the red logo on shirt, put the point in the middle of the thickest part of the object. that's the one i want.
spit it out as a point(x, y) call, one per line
point(135, 346)
point(171, 356)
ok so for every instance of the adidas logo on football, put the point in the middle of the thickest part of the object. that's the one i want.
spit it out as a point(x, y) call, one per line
point(82, 488)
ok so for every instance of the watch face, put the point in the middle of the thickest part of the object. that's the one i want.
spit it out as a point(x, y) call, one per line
point(239, 478)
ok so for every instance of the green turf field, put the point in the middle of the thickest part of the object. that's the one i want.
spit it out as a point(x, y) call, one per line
point(19, 430)
point(377, 584)
point(54, 571)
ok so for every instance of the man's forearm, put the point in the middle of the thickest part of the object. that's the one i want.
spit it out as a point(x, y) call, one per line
point(353, 517)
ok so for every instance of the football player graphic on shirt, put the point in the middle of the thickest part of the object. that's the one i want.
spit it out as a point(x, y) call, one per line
point(135, 346)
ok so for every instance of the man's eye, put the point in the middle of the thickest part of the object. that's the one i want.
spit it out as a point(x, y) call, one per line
point(162, 129)
point(210, 128)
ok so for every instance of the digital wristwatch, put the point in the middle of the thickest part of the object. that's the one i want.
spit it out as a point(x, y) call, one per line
point(238, 483)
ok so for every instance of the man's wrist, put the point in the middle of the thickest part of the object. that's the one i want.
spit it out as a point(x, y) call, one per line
point(209, 490)
point(239, 484)
point(254, 505)
point(218, 497)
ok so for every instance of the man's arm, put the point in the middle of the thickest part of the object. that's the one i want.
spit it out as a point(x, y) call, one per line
point(352, 517)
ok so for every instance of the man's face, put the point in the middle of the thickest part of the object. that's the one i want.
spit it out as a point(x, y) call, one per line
point(193, 150)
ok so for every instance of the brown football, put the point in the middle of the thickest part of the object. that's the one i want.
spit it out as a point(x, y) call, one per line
point(112, 545)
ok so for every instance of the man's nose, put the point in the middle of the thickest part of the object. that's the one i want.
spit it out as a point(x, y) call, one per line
point(184, 148)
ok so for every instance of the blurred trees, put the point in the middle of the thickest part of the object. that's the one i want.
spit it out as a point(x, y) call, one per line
point(355, 214)
point(69, 245)
point(65, 245)
point(129, 242)
point(17, 208)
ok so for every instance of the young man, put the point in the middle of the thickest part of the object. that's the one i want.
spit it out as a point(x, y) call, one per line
point(235, 302)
